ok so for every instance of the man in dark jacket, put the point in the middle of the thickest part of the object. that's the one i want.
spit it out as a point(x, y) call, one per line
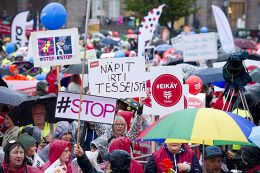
point(182, 158)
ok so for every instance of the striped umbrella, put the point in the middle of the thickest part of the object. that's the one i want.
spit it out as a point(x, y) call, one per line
point(202, 125)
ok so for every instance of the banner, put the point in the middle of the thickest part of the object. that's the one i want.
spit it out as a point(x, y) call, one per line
point(117, 77)
point(93, 25)
point(56, 47)
point(28, 87)
point(54, 167)
point(37, 161)
point(94, 109)
point(197, 101)
point(18, 29)
point(167, 89)
point(224, 30)
point(147, 28)
point(200, 47)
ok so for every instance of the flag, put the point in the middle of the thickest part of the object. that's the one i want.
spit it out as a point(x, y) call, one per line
point(224, 30)
point(147, 28)
point(37, 161)
point(19, 29)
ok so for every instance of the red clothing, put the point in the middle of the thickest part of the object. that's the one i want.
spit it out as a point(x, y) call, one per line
point(254, 169)
point(136, 167)
point(16, 77)
point(161, 154)
point(121, 143)
point(51, 78)
point(23, 169)
point(56, 149)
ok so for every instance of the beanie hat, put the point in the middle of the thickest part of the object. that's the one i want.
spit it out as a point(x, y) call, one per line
point(27, 141)
point(41, 86)
point(62, 127)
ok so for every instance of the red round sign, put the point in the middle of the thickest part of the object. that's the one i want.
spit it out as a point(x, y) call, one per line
point(167, 90)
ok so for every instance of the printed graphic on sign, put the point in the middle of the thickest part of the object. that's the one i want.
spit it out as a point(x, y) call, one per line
point(148, 101)
point(46, 46)
point(167, 90)
point(197, 101)
point(94, 109)
point(57, 47)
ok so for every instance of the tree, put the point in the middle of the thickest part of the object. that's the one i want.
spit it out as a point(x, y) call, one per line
point(173, 10)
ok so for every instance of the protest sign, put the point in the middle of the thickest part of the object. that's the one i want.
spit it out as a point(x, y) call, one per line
point(94, 109)
point(167, 89)
point(117, 77)
point(197, 101)
point(200, 47)
point(177, 43)
point(56, 47)
point(149, 54)
point(185, 95)
point(28, 87)
point(147, 107)
point(107, 55)
point(37, 161)
point(93, 25)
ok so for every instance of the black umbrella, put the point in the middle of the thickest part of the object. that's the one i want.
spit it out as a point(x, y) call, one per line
point(10, 97)
point(22, 114)
point(75, 69)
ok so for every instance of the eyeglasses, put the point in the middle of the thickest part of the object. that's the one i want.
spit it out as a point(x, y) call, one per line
point(119, 124)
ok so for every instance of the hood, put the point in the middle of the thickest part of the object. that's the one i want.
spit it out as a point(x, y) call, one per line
point(12, 67)
point(56, 148)
point(121, 143)
point(101, 144)
point(120, 161)
point(62, 127)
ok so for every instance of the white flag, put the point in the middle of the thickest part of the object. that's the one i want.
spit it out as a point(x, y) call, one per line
point(224, 30)
point(37, 161)
point(19, 29)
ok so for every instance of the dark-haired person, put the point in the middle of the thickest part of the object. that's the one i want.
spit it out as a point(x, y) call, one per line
point(14, 160)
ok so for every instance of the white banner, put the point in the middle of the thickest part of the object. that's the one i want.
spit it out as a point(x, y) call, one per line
point(117, 77)
point(167, 89)
point(28, 87)
point(37, 161)
point(56, 47)
point(200, 47)
point(18, 29)
point(177, 42)
point(224, 30)
point(94, 109)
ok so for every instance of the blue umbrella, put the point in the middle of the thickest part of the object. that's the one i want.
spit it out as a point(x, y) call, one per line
point(255, 136)
point(163, 47)
point(109, 41)
point(209, 75)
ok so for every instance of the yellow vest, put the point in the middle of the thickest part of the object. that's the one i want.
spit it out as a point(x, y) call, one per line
point(48, 128)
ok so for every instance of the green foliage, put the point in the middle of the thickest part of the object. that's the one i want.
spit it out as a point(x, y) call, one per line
point(173, 10)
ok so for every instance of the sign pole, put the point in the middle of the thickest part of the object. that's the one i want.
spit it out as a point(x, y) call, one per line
point(83, 68)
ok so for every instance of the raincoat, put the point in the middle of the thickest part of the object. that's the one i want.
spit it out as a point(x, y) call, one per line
point(56, 149)
point(24, 169)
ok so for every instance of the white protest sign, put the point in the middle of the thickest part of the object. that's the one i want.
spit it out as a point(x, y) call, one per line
point(107, 55)
point(94, 109)
point(90, 54)
point(200, 47)
point(167, 89)
point(26, 86)
point(37, 161)
point(53, 167)
point(56, 47)
point(185, 95)
point(197, 101)
point(177, 43)
point(117, 77)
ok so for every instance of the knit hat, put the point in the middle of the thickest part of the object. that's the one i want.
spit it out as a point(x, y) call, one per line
point(41, 86)
point(27, 141)
point(62, 127)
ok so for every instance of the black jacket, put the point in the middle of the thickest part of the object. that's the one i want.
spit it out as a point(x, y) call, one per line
point(85, 165)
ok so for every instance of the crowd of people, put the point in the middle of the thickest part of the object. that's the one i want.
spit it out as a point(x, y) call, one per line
point(43, 146)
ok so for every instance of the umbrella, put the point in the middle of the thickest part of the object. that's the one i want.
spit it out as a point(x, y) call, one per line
point(22, 114)
point(75, 69)
point(130, 102)
point(10, 97)
point(109, 41)
point(209, 75)
point(162, 47)
point(255, 75)
point(5, 71)
point(201, 125)
point(255, 136)
point(245, 43)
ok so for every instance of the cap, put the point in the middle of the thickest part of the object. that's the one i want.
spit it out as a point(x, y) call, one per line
point(213, 151)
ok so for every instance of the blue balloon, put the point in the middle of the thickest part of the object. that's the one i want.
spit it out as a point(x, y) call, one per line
point(204, 29)
point(41, 76)
point(119, 54)
point(10, 48)
point(53, 16)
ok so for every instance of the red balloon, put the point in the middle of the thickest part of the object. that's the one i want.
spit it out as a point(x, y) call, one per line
point(115, 34)
point(130, 31)
point(195, 84)
point(90, 46)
